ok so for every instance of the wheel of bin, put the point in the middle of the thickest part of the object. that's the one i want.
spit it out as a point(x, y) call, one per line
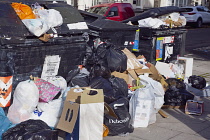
point(199, 23)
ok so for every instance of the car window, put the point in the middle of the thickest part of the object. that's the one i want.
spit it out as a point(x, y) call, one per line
point(200, 9)
point(98, 10)
point(206, 9)
point(102, 11)
point(187, 9)
point(113, 11)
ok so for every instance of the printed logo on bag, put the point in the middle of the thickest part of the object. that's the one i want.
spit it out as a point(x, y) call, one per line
point(5, 91)
point(119, 121)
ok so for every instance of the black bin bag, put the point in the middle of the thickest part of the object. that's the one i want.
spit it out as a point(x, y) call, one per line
point(30, 130)
point(176, 94)
point(120, 125)
point(78, 77)
point(120, 87)
point(100, 70)
point(116, 59)
point(113, 57)
point(114, 88)
point(197, 81)
point(102, 83)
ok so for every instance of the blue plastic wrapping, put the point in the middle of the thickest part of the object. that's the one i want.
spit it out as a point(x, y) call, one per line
point(5, 123)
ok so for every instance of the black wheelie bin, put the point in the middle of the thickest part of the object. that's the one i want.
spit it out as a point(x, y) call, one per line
point(163, 43)
point(22, 54)
point(120, 34)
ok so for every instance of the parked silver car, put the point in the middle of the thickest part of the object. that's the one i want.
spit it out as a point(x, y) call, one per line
point(196, 15)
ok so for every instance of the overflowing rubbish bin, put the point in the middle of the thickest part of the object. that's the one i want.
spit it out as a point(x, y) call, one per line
point(64, 80)
point(162, 43)
point(120, 34)
point(23, 54)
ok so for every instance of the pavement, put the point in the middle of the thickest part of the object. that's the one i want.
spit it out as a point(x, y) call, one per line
point(178, 125)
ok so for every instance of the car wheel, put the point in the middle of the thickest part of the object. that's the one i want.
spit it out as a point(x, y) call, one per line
point(198, 23)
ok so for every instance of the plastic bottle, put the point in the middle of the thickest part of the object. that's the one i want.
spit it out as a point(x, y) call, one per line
point(136, 42)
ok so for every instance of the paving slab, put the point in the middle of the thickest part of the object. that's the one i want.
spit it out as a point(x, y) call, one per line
point(153, 132)
point(189, 128)
point(205, 133)
point(178, 114)
point(184, 136)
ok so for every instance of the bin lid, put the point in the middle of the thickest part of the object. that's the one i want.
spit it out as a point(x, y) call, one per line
point(90, 17)
point(12, 26)
point(110, 25)
point(154, 12)
point(70, 15)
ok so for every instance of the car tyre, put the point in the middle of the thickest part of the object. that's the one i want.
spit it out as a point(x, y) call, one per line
point(199, 23)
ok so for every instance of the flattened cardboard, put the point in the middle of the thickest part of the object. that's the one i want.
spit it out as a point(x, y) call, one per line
point(120, 75)
point(133, 74)
point(68, 116)
point(108, 110)
point(142, 71)
point(163, 82)
point(172, 107)
point(132, 61)
point(155, 73)
point(131, 81)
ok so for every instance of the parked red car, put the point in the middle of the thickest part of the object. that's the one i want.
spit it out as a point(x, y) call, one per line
point(113, 11)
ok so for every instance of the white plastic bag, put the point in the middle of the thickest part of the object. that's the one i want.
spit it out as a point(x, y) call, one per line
point(146, 102)
point(48, 112)
point(36, 26)
point(174, 16)
point(151, 22)
point(26, 97)
point(183, 20)
point(53, 107)
point(51, 16)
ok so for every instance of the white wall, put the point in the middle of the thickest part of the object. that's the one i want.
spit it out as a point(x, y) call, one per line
point(82, 4)
point(148, 3)
point(165, 3)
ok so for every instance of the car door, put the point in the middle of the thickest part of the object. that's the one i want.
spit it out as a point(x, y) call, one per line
point(203, 13)
point(113, 14)
point(207, 12)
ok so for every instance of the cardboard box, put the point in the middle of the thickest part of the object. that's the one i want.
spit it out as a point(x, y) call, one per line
point(142, 71)
point(132, 61)
point(164, 69)
point(131, 81)
point(194, 107)
point(120, 75)
point(155, 73)
point(82, 115)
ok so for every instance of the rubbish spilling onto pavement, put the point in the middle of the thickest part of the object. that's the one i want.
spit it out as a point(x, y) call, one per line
point(90, 79)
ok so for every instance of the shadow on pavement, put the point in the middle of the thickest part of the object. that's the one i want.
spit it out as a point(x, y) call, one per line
point(189, 124)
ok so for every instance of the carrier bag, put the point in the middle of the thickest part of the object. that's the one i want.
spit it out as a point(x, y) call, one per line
point(120, 125)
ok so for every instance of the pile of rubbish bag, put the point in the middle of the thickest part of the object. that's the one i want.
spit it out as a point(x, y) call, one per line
point(133, 90)
point(111, 94)
point(161, 17)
